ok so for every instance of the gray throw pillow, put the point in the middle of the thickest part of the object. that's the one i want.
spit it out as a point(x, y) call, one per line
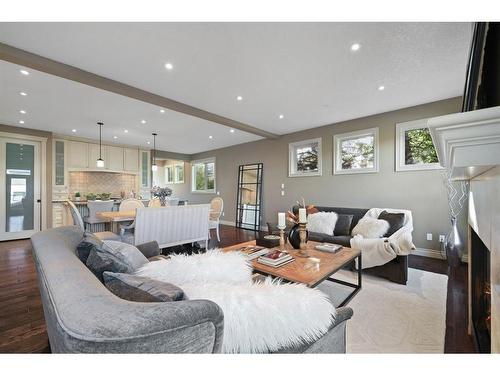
point(100, 261)
point(88, 242)
point(127, 254)
point(141, 289)
point(343, 225)
point(395, 220)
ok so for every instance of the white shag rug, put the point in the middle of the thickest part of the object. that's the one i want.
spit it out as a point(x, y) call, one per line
point(394, 318)
point(258, 317)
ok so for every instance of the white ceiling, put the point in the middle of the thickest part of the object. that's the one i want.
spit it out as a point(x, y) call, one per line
point(305, 71)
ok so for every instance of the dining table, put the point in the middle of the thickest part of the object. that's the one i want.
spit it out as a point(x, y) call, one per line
point(116, 217)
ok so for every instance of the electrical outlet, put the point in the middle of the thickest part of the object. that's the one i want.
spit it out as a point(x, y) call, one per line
point(282, 186)
point(441, 238)
point(282, 193)
point(429, 236)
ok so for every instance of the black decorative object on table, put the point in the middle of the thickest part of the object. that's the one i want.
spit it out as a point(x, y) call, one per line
point(294, 236)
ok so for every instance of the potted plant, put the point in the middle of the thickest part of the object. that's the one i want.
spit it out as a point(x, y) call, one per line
point(91, 197)
point(77, 196)
point(105, 196)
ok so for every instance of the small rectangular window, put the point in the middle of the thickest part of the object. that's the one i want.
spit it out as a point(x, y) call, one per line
point(203, 176)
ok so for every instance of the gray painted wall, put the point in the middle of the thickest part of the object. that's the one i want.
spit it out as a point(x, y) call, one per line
point(422, 192)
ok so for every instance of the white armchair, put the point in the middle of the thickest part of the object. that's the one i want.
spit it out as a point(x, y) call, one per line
point(216, 208)
point(129, 204)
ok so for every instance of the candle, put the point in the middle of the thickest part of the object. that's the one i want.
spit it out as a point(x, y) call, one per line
point(302, 215)
point(281, 220)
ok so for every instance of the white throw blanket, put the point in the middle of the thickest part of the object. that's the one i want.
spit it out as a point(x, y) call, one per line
point(379, 251)
point(258, 317)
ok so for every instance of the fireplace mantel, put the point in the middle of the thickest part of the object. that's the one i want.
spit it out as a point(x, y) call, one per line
point(467, 143)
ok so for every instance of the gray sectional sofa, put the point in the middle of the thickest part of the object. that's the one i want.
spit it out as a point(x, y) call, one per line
point(82, 316)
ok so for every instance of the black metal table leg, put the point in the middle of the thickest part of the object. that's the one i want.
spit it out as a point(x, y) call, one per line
point(357, 287)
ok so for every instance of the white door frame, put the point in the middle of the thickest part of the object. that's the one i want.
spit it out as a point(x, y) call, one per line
point(42, 178)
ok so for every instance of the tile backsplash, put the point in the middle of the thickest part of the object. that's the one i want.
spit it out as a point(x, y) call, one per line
point(102, 182)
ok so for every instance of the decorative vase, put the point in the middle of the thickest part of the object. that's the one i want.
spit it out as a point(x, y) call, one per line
point(294, 236)
point(453, 245)
point(163, 200)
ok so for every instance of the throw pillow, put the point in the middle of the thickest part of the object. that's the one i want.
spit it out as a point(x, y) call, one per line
point(88, 242)
point(343, 225)
point(128, 254)
point(100, 261)
point(395, 220)
point(322, 222)
point(141, 289)
point(369, 227)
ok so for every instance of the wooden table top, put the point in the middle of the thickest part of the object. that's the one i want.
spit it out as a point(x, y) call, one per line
point(117, 215)
point(310, 271)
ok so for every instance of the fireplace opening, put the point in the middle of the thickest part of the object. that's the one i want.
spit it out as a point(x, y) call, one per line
point(480, 293)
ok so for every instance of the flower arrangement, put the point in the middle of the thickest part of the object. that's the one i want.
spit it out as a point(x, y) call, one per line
point(293, 216)
point(161, 193)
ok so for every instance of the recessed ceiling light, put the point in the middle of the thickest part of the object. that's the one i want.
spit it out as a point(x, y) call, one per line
point(232, 130)
point(169, 66)
point(281, 116)
point(239, 98)
point(22, 111)
point(355, 47)
point(210, 137)
point(25, 72)
point(73, 130)
point(22, 93)
point(162, 111)
point(115, 137)
point(143, 121)
point(148, 142)
point(126, 131)
point(381, 88)
point(21, 121)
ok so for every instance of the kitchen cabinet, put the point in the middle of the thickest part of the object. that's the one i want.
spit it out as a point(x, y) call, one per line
point(59, 162)
point(131, 160)
point(93, 155)
point(78, 155)
point(114, 158)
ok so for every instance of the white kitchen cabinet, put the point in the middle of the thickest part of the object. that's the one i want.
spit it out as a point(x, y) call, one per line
point(131, 160)
point(114, 158)
point(78, 154)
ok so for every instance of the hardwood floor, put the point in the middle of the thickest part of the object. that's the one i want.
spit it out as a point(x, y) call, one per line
point(22, 325)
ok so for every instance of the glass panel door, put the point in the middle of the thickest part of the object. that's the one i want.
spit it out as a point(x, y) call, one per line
point(19, 188)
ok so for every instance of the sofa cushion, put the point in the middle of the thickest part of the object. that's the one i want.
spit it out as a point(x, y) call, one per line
point(343, 225)
point(127, 254)
point(339, 240)
point(88, 242)
point(322, 222)
point(100, 261)
point(369, 227)
point(141, 289)
point(395, 220)
point(358, 213)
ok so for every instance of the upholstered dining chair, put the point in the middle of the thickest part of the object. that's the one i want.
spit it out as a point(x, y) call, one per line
point(216, 208)
point(154, 202)
point(94, 208)
point(77, 220)
point(130, 204)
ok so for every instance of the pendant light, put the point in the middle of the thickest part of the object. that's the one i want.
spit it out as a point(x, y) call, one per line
point(154, 167)
point(100, 162)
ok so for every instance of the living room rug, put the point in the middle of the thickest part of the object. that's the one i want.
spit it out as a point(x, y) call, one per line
point(394, 318)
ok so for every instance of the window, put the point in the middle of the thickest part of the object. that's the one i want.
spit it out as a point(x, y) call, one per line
point(203, 176)
point(179, 173)
point(169, 174)
point(414, 147)
point(304, 158)
point(356, 152)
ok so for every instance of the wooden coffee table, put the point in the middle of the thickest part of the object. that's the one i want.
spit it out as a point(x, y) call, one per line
point(312, 271)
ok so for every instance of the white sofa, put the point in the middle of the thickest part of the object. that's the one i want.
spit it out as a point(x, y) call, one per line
point(171, 225)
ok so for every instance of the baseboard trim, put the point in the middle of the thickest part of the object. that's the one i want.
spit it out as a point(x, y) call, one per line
point(429, 253)
point(233, 224)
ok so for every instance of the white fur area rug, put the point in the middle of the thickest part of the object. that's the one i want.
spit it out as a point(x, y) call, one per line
point(258, 317)
point(394, 318)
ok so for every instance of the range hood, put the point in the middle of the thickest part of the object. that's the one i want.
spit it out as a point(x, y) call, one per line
point(467, 143)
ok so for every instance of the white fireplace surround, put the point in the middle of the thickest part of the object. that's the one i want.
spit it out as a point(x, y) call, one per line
point(467, 143)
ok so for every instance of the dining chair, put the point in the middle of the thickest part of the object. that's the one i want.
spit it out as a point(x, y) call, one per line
point(154, 202)
point(77, 220)
point(216, 208)
point(94, 208)
point(130, 204)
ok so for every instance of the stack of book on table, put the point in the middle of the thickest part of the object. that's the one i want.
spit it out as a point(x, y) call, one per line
point(253, 252)
point(275, 258)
